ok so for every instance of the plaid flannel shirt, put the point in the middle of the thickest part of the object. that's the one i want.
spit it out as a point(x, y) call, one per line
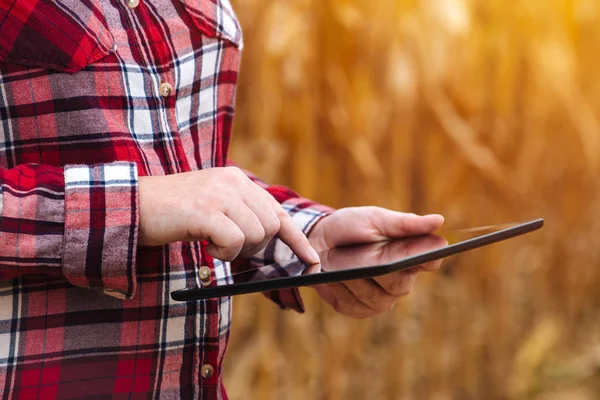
point(93, 94)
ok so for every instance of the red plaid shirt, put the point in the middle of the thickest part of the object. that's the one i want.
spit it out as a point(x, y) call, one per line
point(93, 94)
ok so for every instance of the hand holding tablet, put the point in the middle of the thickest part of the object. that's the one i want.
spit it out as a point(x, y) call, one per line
point(374, 260)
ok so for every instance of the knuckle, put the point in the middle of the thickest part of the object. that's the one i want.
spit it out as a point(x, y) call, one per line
point(238, 173)
point(272, 227)
point(237, 241)
point(228, 256)
point(372, 211)
point(281, 213)
point(256, 236)
point(209, 205)
point(404, 285)
point(230, 172)
point(224, 254)
point(339, 308)
point(380, 303)
point(390, 305)
point(433, 266)
point(402, 290)
point(381, 306)
point(213, 216)
point(406, 290)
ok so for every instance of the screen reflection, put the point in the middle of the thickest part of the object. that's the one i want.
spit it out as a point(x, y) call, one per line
point(343, 258)
point(360, 256)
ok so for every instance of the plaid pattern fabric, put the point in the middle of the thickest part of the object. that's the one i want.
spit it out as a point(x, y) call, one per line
point(84, 311)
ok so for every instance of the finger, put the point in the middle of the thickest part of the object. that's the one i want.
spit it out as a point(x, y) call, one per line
point(226, 238)
point(394, 224)
point(312, 269)
point(371, 294)
point(397, 284)
point(291, 235)
point(430, 266)
point(427, 243)
point(341, 299)
point(263, 209)
point(247, 222)
point(411, 247)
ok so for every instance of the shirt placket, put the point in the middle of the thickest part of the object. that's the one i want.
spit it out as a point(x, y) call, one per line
point(156, 54)
point(161, 62)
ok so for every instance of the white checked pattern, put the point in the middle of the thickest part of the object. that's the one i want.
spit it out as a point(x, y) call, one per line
point(208, 93)
point(209, 61)
point(142, 121)
point(134, 76)
point(185, 79)
point(78, 176)
point(114, 174)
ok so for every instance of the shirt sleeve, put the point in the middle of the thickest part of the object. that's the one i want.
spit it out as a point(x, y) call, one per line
point(78, 222)
point(305, 213)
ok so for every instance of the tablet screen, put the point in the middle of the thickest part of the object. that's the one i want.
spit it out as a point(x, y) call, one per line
point(362, 256)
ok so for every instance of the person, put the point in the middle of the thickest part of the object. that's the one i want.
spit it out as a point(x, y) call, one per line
point(115, 121)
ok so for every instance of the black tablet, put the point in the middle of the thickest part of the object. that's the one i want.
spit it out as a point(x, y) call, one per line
point(357, 262)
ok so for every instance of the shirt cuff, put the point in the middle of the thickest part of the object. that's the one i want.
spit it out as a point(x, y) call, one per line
point(305, 215)
point(101, 223)
point(31, 220)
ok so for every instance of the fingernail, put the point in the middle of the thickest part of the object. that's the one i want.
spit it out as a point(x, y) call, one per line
point(435, 215)
point(314, 256)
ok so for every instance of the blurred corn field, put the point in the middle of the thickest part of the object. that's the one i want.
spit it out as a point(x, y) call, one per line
point(486, 111)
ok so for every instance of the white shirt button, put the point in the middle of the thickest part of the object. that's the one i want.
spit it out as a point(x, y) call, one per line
point(133, 3)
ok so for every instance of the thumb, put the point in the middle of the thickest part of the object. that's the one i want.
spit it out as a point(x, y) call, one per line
point(393, 224)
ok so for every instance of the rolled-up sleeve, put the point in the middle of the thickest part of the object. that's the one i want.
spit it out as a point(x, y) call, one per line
point(101, 222)
point(78, 222)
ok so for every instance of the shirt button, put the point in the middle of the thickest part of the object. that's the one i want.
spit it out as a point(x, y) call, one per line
point(207, 371)
point(204, 275)
point(165, 89)
point(133, 3)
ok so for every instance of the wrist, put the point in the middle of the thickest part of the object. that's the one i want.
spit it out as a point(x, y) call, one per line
point(147, 196)
point(317, 234)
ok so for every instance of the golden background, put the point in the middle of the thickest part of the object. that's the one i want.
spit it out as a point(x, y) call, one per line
point(485, 111)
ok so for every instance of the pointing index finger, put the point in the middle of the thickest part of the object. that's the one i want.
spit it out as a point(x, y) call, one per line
point(291, 235)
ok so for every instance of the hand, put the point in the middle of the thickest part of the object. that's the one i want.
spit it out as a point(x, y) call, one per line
point(370, 297)
point(221, 205)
